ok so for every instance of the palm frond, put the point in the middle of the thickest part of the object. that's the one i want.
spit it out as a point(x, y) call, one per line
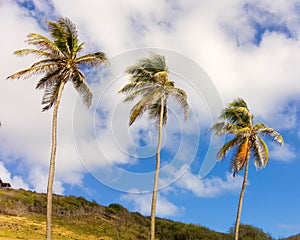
point(139, 74)
point(132, 87)
point(271, 133)
point(35, 70)
point(93, 59)
point(144, 104)
point(223, 127)
point(237, 112)
point(49, 79)
point(146, 68)
point(181, 98)
point(238, 102)
point(58, 32)
point(238, 115)
point(82, 88)
point(53, 62)
point(228, 146)
point(70, 33)
point(259, 126)
point(50, 95)
point(35, 52)
point(241, 156)
point(154, 64)
point(243, 131)
point(140, 92)
point(44, 44)
point(238, 121)
point(155, 110)
point(260, 152)
point(149, 80)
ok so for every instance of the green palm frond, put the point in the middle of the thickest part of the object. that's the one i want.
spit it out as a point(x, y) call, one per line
point(154, 64)
point(146, 68)
point(181, 98)
point(239, 115)
point(237, 112)
point(238, 102)
point(50, 95)
point(58, 32)
point(35, 52)
point(43, 43)
point(149, 81)
point(93, 59)
point(53, 62)
point(35, 70)
point(70, 34)
point(139, 74)
point(59, 61)
point(154, 112)
point(49, 79)
point(82, 88)
point(140, 92)
point(133, 87)
point(257, 127)
point(223, 127)
point(228, 146)
point(144, 104)
point(243, 131)
point(238, 121)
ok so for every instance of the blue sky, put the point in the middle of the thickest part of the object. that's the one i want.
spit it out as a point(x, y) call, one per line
point(216, 52)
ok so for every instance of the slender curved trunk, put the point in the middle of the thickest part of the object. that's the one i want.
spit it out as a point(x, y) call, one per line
point(52, 165)
point(238, 217)
point(154, 194)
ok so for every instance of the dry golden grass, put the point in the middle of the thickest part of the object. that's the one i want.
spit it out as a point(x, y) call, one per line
point(32, 228)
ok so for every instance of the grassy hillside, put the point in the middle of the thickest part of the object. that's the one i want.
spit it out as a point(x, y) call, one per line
point(295, 237)
point(23, 216)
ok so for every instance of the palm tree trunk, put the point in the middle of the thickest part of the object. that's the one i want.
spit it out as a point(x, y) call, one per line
point(154, 194)
point(52, 164)
point(238, 217)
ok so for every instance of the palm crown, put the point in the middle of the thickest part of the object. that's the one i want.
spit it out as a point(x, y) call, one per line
point(238, 121)
point(149, 80)
point(60, 62)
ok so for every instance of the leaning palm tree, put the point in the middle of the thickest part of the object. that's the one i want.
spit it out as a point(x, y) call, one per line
point(150, 82)
point(246, 141)
point(59, 64)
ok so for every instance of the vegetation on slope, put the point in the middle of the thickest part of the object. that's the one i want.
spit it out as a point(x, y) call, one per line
point(23, 216)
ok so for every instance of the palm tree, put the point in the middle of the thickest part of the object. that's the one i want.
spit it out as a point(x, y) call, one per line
point(246, 141)
point(150, 81)
point(59, 63)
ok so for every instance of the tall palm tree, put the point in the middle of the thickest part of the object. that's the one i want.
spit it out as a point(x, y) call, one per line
point(59, 64)
point(150, 82)
point(246, 141)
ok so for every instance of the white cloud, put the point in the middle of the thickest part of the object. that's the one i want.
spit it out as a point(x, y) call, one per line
point(210, 186)
point(15, 181)
point(205, 31)
point(39, 179)
point(285, 153)
point(142, 204)
point(290, 227)
point(205, 188)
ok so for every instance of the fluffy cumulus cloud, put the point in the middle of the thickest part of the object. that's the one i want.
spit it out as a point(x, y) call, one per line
point(15, 181)
point(209, 187)
point(285, 153)
point(142, 204)
point(231, 41)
